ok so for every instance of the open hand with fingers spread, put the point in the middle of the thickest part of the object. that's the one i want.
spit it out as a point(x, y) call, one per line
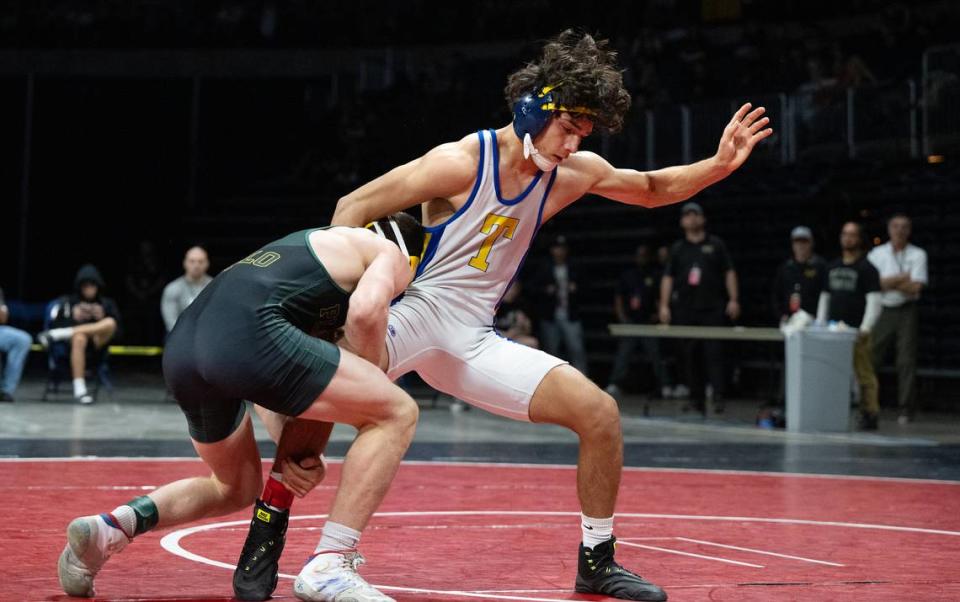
point(744, 131)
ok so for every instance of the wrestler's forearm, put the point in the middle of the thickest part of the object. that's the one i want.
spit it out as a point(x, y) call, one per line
point(299, 454)
point(680, 182)
point(302, 439)
point(348, 213)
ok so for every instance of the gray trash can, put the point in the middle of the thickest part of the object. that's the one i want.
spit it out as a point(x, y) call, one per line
point(819, 368)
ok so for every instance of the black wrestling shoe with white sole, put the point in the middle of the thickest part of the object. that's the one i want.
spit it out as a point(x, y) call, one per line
point(599, 573)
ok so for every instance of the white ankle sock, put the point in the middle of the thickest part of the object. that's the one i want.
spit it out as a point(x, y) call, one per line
point(79, 387)
point(126, 519)
point(595, 530)
point(338, 538)
point(61, 334)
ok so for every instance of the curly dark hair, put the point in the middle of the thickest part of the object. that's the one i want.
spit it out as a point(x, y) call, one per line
point(586, 73)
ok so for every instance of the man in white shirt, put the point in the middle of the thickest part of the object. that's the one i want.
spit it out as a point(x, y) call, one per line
point(181, 292)
point(903, 274)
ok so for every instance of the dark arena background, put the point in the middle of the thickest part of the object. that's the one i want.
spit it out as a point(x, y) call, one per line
point(135, 130)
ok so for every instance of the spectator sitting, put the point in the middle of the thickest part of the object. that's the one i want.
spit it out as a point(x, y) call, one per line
point(88, 320)
point(181, 292)
point(512, 320)
point(15, 343)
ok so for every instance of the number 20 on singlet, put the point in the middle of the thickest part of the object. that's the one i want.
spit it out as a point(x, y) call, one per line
point(494, 227)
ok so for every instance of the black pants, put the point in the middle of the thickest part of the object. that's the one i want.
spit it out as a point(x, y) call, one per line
point(711, 363)
point(625, 350)
point(899, 326)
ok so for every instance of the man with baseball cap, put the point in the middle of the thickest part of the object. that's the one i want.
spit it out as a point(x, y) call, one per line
point(699, 288)
point(798, 281)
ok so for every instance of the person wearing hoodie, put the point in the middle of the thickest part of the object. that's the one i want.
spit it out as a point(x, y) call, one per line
point(87, 319)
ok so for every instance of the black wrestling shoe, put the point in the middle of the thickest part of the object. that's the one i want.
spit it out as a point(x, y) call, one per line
point(598, 573)
point(256, 574)
point(868, 422)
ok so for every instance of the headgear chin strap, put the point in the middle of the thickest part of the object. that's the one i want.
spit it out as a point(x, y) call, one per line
point(398, 238)
point(529, 150)
point(531, 113)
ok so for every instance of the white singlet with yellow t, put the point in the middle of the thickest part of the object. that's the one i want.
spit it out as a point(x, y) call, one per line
point(442, 328)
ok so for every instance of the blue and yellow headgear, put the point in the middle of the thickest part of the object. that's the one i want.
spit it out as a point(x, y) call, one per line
point(533, 111)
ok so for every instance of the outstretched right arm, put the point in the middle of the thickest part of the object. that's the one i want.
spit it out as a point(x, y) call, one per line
point(444, 172)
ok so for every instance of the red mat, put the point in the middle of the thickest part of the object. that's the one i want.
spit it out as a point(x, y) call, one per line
point(498, 532)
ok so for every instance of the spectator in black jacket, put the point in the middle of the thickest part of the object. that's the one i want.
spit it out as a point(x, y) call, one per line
point(799, 279)
point(555, 287)
point(88, 320)
point(699, 288)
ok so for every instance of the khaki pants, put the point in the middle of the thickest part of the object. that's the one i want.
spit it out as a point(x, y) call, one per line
point(899, 325)
point(866, 376)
